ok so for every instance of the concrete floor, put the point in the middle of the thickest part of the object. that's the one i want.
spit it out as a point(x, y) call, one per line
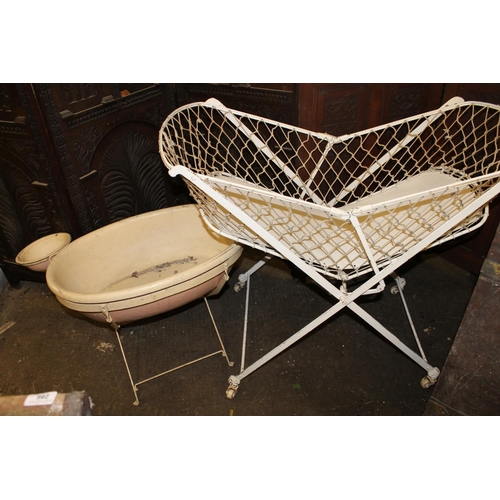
point(343, 368)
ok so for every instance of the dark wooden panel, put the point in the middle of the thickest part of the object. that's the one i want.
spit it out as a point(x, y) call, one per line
point(29, 203)
point(336, 109)
point(11, 108)
point(71, 98)
point(347, 108)
point(470, 251)
point(395, 101)
point(74, 157)
point(483, 92)
point(85, 119)
point(274, 101)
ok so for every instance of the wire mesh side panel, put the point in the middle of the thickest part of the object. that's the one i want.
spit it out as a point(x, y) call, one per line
point(322, 239)
point(327, 239)
point(332, 171)
point(305, 188)
point(393, 229)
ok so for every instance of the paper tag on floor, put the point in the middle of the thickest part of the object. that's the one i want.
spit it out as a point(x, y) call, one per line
point(44, 398)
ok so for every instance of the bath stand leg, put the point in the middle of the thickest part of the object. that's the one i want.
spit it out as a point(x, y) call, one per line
point(116, 327)
point(223, 349)
point(135, 385)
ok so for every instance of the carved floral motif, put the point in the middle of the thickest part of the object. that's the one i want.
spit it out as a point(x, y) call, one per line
point(131, 177)
point(23, 216)
point(84, 145)
point(405, 102)
point(340, 115)
point(74, 92)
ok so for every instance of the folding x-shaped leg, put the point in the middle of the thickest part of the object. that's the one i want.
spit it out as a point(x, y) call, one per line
point(344, 299)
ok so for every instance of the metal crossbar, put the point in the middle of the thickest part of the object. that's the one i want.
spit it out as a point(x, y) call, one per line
point(135, 385)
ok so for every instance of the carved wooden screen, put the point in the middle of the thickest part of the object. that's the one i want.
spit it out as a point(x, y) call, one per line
point(30, 204)
point(107, 146)
point(75, 157)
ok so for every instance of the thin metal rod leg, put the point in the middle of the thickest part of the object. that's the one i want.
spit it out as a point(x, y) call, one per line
point(391, 337)
point(243, 278)
point(288, 342)
point(134, 386)
point(403, 300)
point(224, 353)
point(245, 326)
point(234, 380)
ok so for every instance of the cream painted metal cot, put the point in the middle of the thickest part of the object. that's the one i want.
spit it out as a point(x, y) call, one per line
point(338, 208)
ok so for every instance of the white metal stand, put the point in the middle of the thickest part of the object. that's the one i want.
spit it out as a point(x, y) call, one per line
point(344, 300)
point(338, 207)
point(135, 385)
point(234, 381)
point(244, 280)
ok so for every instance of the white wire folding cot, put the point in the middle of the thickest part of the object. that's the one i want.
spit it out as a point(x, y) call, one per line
point(338, 208)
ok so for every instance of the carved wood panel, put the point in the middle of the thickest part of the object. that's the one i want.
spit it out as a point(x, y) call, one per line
point(275, 101)
point(22, 206)
point(394, 101)
point(74, 157)
point(86, 120)
point(345, 108)
point(334, 108)
point(28, 204)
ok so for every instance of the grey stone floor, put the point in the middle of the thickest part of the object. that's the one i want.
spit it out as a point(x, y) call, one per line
point(342, 368)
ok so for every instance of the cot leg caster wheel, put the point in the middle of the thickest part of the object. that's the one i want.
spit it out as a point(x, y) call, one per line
point(426, 382)
point(430, 379)
point(136, 402)
point(395, 288)
point(231, 392)
point(232, 388)
point(241, 283)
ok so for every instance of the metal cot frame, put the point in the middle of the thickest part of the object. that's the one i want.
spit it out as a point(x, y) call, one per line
point(338, 207)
